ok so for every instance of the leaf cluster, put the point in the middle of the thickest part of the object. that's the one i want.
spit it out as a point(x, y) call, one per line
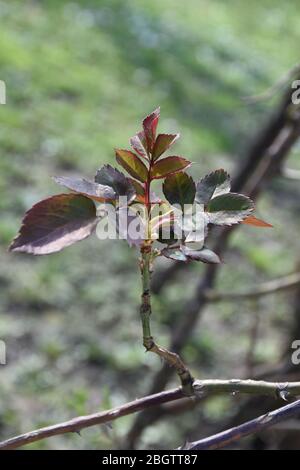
point(61, 220)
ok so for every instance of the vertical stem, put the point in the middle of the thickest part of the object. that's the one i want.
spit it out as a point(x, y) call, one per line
point(145, 311)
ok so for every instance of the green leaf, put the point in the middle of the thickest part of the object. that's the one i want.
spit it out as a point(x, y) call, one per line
point(229, 209)
point(97, 192)
point(55, 223)
point(162, 143)
point(150, 125)
point(212, 185)
point(132, 164)
point(179, 189)
point(139, 144)
point(122, 186)
point(205, 255)
point(168, 166)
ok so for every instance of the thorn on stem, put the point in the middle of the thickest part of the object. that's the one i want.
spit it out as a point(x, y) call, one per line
point(282, 391)
point(284, 394)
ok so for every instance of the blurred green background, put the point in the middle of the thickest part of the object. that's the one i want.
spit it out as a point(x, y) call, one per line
point(80, 76)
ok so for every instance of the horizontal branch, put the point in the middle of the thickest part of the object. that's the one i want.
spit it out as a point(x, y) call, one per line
point(228, 437)
point(201, 388)
point(277, 285)
point(77, 424)
point(249, 387)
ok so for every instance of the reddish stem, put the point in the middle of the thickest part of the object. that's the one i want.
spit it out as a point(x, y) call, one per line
point(147, 188)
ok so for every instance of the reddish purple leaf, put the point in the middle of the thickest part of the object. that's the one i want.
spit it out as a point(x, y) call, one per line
point(162, 143)
point(55, 223)
point(139, 144)
point(150, 125)
point(138, 187)
point(168, 166)
point(229, 209)
point(179, 188)
point(132, 164)
point(98, 192)
point(139, 190)
point(122, 186)
point(212, 185)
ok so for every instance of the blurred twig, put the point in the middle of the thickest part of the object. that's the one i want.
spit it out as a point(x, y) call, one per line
point(271, 287)
point(225, 438)
point(253, 339)
point(201, 388)
point(270, 92)
point(285, 370)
